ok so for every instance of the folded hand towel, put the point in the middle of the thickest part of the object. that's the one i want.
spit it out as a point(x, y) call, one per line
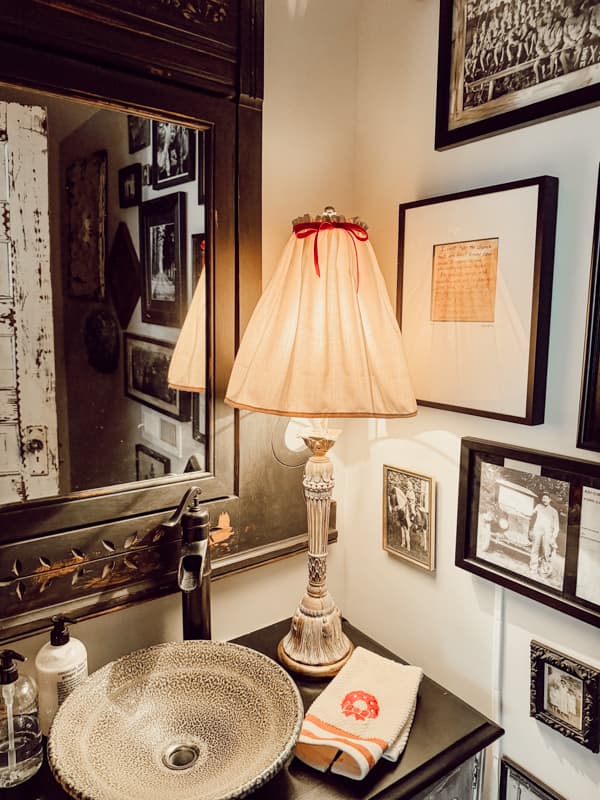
point(365, 713)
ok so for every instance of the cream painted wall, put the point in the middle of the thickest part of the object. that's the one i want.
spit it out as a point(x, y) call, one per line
point(444, 621)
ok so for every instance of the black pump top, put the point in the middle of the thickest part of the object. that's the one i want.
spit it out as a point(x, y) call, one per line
point(8, 669)
point(60, 633)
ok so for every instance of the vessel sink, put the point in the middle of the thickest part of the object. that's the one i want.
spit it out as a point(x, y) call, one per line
point(188, 720)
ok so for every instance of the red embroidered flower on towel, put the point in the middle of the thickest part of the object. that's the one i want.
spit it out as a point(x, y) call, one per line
point(360, 705)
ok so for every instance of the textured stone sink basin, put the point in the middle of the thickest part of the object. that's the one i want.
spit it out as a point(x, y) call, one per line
point(187, 720)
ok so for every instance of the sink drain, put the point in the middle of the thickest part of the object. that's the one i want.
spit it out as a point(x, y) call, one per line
point(181, 756)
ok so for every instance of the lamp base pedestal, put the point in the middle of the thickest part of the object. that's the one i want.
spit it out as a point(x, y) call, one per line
point(316, 645)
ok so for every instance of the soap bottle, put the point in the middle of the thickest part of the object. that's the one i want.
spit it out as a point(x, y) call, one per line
point(61, 665)
point(21, 751)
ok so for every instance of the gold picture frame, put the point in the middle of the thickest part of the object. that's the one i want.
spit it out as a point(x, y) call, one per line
point(409, 516)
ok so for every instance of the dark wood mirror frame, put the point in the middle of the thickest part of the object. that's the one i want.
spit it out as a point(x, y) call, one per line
point(196, 63)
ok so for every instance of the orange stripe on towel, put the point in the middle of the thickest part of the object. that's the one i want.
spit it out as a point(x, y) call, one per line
point(351, 743)
point(346, 734)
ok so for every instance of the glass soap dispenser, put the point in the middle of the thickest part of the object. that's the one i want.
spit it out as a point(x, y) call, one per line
point(21, 750)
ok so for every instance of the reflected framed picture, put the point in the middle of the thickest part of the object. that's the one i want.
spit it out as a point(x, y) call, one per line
point(474, 296)
point(86, 226)
point(173, 154)
point(517, 784)
point(146, 369)
point(138, 129)
point(530, 521)
point(163, 255)
point(150, 464)
point(409, 516)
point(130, 186)
point(588, 435)
point(565, 694)
point(502, 66)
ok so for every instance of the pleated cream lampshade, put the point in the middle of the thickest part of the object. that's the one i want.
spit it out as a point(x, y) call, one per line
point(328, 345)
point(187, 370)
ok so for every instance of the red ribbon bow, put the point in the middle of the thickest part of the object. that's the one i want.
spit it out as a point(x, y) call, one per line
point(356, 233)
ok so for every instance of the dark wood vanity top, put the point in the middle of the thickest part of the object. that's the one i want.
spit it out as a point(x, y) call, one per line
point(446, 731)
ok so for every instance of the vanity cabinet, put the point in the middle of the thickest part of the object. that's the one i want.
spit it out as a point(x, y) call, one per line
point(443, 759)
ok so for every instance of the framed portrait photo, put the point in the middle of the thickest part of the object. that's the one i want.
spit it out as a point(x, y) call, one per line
point(588, 435)
point(150, 464)
point(564, 695)
point(517, 784)
point(409, 516)
point(474, 295)
point(504, 65)
point(173, 154)
point(130, 186)
point(146, 369)
point(530, 521)
point(163, 255)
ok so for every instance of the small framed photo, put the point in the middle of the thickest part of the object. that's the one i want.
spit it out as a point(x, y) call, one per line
point(139, 132)
point(162, 432)
point(130, 186)
point(150, 464)
point(173, 154)
point(163, 255)
point(517, 784)
point(409, 516)
point(530, 521)
point(564, 695)
point(474, 294)
point(146, 369)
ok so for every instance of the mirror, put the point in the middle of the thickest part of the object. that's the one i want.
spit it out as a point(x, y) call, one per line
point(129, 245)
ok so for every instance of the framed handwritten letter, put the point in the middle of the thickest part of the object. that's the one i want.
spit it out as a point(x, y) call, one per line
point(474, 296)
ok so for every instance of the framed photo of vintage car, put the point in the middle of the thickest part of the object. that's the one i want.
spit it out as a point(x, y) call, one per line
point(530, 521)
point(505, 65)
point(515, 782)
point(474, 296)
point(564, 695)
point(409, 516)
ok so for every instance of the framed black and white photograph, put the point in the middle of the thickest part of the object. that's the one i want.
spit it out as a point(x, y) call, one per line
point(565, 694)
point(530, 521)
point(163, 256)
point(518, 784)
point(474, 296)
point(588, 435)
point(409, 516)
point(130, 186)
point(146, 369)
point(173, 154)
point(502, 64)
point(139, 132)
point(150, 464)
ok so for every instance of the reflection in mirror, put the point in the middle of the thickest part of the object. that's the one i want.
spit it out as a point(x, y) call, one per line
point(87, 334)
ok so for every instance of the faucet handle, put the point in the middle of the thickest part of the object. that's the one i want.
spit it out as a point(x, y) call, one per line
point(187, 498)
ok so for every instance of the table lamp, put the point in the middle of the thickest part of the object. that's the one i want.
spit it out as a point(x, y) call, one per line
point(323, 342)
point(187, 370)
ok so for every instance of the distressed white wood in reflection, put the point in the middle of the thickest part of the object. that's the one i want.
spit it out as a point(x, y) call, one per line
point(26, 331)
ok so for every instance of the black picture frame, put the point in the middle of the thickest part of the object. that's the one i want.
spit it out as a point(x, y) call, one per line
point(516, 222)
point(464, 110)
point(146, 367)
point(138, 130)
point(130, 185)
point(173, 154)
point(498, 536)
point(588, 434)
point(163, 257)
point(564, 695)
point(514, 780)
point(150, 464)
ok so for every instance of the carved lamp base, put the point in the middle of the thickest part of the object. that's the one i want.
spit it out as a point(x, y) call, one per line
point(316, 646)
